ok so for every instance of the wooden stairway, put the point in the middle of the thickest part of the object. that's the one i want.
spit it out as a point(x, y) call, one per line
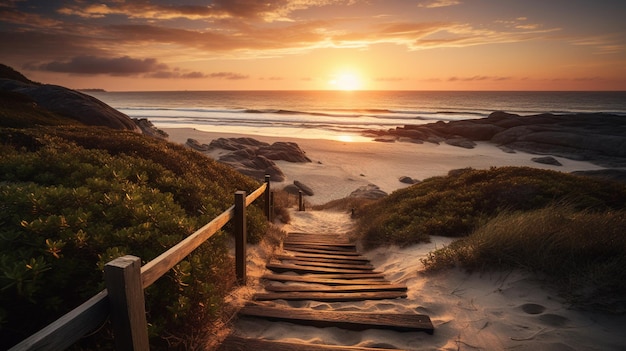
point(328, 269)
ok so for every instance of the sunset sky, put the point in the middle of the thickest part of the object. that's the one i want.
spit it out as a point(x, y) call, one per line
point(318, 44)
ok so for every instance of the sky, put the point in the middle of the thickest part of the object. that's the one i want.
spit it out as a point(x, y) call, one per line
point(148, 45)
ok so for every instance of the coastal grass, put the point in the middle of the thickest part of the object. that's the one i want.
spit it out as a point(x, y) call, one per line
point(457, 204)
point(582, 252)
point(73, 198)
point(569, 229)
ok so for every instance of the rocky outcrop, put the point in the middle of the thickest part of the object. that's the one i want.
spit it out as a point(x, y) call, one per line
point(597, 137)
point(255, 158)
point(408, 180)
point(369, 191)
point(71, 103)
point(147, 128)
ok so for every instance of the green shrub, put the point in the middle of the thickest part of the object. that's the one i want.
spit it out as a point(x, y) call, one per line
point(456, 204)
point(75, 198)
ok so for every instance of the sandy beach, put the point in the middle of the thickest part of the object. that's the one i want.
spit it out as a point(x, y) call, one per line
point(492, 311)
point(340, 167)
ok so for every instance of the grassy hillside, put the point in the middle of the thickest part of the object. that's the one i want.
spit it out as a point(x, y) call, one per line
point(72, 198)
point(571, 229)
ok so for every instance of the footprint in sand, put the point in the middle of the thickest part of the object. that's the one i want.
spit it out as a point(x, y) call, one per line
point(549, 319)
point(533, 308)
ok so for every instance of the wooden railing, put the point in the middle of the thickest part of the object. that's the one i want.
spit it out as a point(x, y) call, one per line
point(123, 299)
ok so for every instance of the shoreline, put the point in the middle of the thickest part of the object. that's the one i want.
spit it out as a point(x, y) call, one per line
point(340, 167)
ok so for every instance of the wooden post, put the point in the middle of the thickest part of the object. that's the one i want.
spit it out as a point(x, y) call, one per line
point(272, 207)
point(267, 199)
point(240, 236)
point(128, 312)
point(300, 201)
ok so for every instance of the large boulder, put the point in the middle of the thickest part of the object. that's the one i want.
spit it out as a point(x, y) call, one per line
point(286, 151)
point(72, 104)
point(256, 158)
point(369, 191)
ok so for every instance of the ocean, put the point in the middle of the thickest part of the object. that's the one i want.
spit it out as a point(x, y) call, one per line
point(336, 114)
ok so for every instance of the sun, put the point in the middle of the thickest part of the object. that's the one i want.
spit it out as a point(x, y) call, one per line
point(346, 81)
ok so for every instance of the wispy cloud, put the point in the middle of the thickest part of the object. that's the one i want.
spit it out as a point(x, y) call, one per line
point(123, 66)
point(228, 76)
point(438, 3)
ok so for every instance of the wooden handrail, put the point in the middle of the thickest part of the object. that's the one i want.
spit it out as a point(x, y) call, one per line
point(156, 268)
point(87, 317)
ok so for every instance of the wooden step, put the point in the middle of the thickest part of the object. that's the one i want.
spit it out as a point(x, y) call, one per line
point(281, 268)
point(324, 252)
point(321, 259)
point(343, 288)
point(338, 248)
point(301, 262)
point(330, 297)
point(401, 322)
point(334, 281)
point(236, 343)
point(337, 257)
point(339, 243)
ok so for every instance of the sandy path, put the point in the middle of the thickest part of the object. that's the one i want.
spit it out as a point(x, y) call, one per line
point(488, 311)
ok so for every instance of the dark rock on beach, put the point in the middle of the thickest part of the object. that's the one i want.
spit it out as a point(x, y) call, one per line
point(254, 158)
point(596, 137)
point(369, 191)
point(408, 180)
point(71, 103)
point(547, 160)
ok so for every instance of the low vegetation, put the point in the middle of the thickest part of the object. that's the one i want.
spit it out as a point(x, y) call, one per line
point(73, 198)
point(569, 229)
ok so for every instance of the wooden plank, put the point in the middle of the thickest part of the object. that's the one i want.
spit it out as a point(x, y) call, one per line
point(321, 259)
point(281, 268)
point(341, 243)
point(377, 279)
point(339, 248)
point(307, 263)
point(237, 343)
point(65, 331)
point(155, 269)
point(325, 252)
point(344, 288)
point(330, 297)
point(336, 257)
point(324, 241)
point(401, 322)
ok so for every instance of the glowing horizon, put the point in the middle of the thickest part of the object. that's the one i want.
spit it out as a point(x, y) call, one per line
point(317, 45)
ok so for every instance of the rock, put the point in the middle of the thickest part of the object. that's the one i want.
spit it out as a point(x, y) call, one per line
point(369, 191)
point(72, 104)
point(408, 180)
point(236, 143)
point(547, 160)
point(147, 128)
point(305, 189)
point(461, 142)
point(286, 151)
point(194, 144)
point(596, 137)
point(256, 158)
